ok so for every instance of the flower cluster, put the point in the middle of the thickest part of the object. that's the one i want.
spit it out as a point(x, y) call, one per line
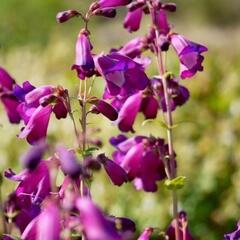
point(40, 208)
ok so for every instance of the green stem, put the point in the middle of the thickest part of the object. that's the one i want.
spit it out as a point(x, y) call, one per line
point(169, 122)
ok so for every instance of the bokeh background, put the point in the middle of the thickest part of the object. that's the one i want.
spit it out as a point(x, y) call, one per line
point(34, 47)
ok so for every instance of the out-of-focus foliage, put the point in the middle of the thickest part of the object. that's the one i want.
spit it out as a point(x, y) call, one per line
point(207, 140)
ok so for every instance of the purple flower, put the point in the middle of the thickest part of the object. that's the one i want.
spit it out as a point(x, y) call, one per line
point(133, 20)
point(110, 13)
point(134, 104)
point(134, 47)
point(48, 223)
point(10, 104)
point(32, 158)
point(35, 108)
point(183, 228)
point(189, 54)
point(66, 15)
point(84, 63)
point(146, 235)
point(178, 94)
point(121, 73)
point(142, 160)
point(7, 98)
point(112, 3)
point(160, 21)
point(34, 186)
point(36, 128)
point(6, 81)
point(101, 106)
point(235, 235)
point(117, 174)
point(69, 162)
point(95, 225)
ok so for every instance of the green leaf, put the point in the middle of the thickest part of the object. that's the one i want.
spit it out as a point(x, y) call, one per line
point(176, 183)
point(88, 152)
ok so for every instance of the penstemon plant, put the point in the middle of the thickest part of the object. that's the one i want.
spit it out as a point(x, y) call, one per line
point(39, 208)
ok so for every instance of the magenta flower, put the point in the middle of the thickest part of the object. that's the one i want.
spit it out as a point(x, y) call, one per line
point(101, 106)
point(112, 3)
point(138, 102)
point(132, 20)
point(66, 15)
point(95, 225)
point(121, 73)
point(33, 157)
point(48, 223)
point(110, 13)
point(84, 64)
point(10, 104)
point(34, 186)
point(36, 128)
point(142, 160)
point(69, 162)
point(183, 228)
point(117, 174)
point(36, 106)
point(178, 94)
point(235, 235)
point(160, 21)
point(7, 98)
point(6, 81)
point(189, 54)
point(134, 47)
point(146, 235)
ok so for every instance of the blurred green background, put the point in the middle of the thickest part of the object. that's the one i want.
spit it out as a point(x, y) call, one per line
point(34, 47)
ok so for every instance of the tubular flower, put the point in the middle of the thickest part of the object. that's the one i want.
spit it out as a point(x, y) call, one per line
point(95, 225)
point(235, 235)
point(142, 160)
point(139, 102)
point(183, 228)
point(189, 54)
point(178, 94)
point(66, 15)
point(121, 73)
point(84, 64)
point(69, 162)
point(34, 186)
point(132, 20)
point(7, 97)
point(146, 235)
point(36, 106)
point(48, 223)
point(111, 3)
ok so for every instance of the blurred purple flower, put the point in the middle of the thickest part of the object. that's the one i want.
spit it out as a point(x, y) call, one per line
point(132, 20)
point(48, 223)
point(6, 81)
point(66, 15)
point(178, 94)
point(159, 18)
point(112, 3)
point(142, 160)
point(101, 106)
point(146, 235)
point(183, 228)
point(121, 73)
point(33, 157)
point(117, 174)
point(95, 225)
point(69, 162)
point(235, 235)
point(35, 108)
point(189, 54)
point(84, 64)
